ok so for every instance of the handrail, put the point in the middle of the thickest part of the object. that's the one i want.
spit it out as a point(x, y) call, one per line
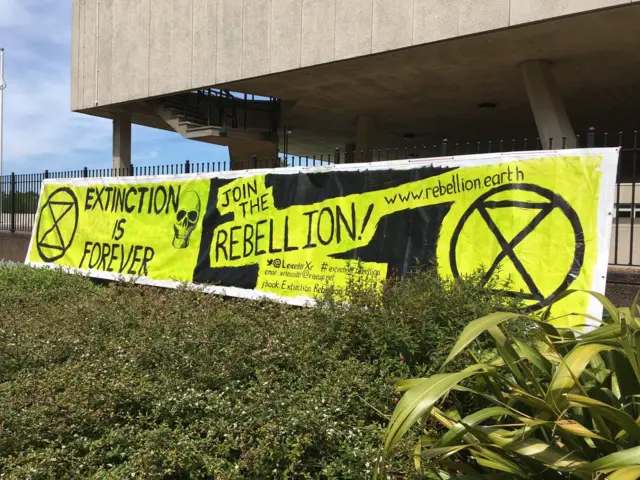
point(228, 104)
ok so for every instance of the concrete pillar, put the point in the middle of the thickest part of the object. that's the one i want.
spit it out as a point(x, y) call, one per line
point(349, 153)
point(546, 103)
point(122, 141)
point(242, 152)
point(365, 138)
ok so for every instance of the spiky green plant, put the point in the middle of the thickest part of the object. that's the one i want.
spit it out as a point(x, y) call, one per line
point(558, 404)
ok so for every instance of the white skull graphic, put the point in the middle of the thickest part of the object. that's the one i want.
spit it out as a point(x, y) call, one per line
point(186, 218)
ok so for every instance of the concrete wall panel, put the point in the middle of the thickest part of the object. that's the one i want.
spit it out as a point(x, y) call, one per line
point(229, 44)
point(392, 24)
point(286, 29)
point(81, 54)
point(121, 51)
point(256, 37)
point(75, 57)
point(14, 246)
point(181, 44)
point(90, 53)
point(434, 20)
point(523, 11)
point(203, 63)
point(354, 20)
point(481, 15)
point(134, 49)
point(318, 31)
point(105, 50)
point(160, 47)
point(139, 49)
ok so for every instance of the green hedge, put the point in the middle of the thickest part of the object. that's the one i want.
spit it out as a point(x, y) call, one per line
point(125, 381)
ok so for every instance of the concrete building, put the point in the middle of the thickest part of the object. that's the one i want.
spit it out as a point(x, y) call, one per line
point(356, 74)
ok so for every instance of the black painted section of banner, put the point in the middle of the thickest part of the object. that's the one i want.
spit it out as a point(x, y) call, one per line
point(240, 277)
point(306, 189)
point(402, 240)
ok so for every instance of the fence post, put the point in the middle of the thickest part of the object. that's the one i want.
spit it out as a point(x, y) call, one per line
point(254, 162)
point(187, 166)
point(12, 227)
point(336, 159)
point(131, 170)
point(443, 147)
point(85, 172)
point(591, 138)
point(46, 174)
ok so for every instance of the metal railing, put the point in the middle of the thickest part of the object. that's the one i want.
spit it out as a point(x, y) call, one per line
point(19, 192)
point(223, 108)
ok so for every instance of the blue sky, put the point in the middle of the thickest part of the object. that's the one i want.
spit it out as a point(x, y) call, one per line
point(40, 131)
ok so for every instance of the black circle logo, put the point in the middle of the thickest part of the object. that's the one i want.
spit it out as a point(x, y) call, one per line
point(57, 224)
point(549, 202)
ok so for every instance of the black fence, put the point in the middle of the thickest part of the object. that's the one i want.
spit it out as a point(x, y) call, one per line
point(19, 192)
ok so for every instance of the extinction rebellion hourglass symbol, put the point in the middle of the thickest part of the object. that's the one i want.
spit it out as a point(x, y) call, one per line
point(541, 202)
point(57, 225)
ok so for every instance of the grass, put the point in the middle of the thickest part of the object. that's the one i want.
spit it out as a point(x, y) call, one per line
point(126, 381)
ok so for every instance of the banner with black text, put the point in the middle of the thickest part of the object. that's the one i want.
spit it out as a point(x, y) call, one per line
point(539, 222)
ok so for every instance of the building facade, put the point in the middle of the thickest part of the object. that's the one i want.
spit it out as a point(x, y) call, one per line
point(310, 76)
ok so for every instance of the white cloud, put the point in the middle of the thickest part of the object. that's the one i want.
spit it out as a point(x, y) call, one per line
point(13, 13)
point(38, 123)
point(40, 131)
point(144, 157)
point(38, 120)
point(40, 20)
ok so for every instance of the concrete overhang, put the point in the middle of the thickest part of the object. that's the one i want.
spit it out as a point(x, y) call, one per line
point(433, 90)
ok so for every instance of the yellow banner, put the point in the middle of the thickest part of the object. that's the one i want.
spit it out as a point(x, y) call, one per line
point(538, 223)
